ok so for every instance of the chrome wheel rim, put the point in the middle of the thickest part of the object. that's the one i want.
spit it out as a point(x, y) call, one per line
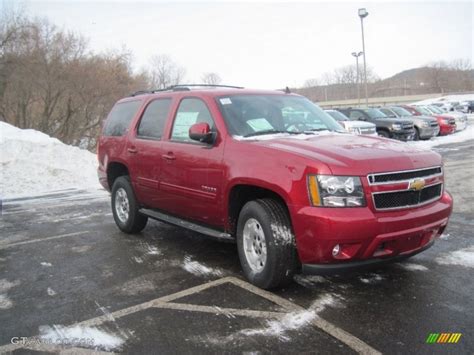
point(122, 206)
point(255, 246)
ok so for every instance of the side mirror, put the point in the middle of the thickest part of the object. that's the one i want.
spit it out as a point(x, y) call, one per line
point(201, 132)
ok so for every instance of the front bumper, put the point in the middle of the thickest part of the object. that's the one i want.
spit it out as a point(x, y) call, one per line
point(365, 234)
point(428, 132)
point(403, 135)
point(327, 269)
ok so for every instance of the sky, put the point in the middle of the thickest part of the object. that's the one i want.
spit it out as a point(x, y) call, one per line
point(270, 44)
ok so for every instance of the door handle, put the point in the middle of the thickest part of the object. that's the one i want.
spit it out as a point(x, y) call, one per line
point(132, 150)
point(169, 156)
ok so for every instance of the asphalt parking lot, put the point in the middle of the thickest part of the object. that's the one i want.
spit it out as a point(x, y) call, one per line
point(65, 265)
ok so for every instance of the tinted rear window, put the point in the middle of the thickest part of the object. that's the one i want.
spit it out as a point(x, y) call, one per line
point(154, 119)
point(120, 117)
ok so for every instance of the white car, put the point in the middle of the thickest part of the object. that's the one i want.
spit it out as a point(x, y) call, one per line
point(461, 118)
point(356, 127)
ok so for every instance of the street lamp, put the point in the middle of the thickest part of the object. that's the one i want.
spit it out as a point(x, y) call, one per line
point(362, 14)
point(357, 55)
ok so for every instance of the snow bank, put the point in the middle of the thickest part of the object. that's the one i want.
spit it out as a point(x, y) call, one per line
point(457, 137)
point(33, 163)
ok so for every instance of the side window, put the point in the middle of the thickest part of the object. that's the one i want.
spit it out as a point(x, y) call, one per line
point(120, 117)
point(388, 112)
point(355, 115)
point(154, 119)
point(190, 111)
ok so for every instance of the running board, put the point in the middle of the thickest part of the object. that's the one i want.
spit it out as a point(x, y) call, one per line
point(160, 216)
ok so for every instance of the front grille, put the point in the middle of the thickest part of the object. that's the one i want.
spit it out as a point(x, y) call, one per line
point(434, 124)
point(407, 126)
point(403, 175)
point(407, 198)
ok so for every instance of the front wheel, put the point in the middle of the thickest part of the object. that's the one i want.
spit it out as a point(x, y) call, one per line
point(416, 137)
point(125, 207)
point(384, 134)
point(266, 245)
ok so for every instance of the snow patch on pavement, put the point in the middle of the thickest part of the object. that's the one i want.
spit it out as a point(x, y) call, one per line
point(51, 292)
point(327, 300)
point(413, 267)
point(310, 281)
point(46, 264)
point(279, 328)
point(371, 279)
point(463, 257)
point(199, 269)
point(32, 163)
point(5, 286)
point(94, 337)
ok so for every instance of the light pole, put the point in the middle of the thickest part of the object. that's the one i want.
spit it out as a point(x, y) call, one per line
point(362, 14)
point(357, 55)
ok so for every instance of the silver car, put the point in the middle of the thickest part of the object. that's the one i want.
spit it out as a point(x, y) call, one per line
point(356, 127)
point(459, 117)
point(425, 126)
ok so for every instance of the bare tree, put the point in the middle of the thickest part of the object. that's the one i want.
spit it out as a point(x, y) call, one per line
point(211, 78)
point(311, 83)
point(164, 72)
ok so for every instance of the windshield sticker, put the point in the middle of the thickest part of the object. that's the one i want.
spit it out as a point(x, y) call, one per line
point(259, 124)
point(226, 101)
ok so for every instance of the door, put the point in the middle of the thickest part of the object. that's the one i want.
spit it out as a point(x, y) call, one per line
point(192, 172)
point(144, 146)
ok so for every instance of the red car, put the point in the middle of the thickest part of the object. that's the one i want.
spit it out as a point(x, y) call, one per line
point(272, 172)
point(447, 124)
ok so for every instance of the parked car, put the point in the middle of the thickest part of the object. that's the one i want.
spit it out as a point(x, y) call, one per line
point(294, 195)
point(447, 124)
point(459, 117)
point(425, 126)
point(356, 127)
point(396, 128)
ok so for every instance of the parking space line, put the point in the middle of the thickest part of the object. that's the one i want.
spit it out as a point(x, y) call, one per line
point(219, 310)
point(11, 245)
point(164, 302)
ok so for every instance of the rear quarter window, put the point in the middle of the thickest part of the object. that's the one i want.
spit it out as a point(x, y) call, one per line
point(120, 117)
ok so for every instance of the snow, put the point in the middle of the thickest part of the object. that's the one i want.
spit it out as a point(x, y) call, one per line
point(279, 327)
point(457, 137)
point(33, 163)
point(51, 292)
point(199, 269)
point(5, 286)
point(325, 300)
point(46, 264)
point(413, 267)
point(371, 279)
point(463, 257)
point(90, 336)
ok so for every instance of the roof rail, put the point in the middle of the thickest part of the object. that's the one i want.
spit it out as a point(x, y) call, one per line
point(183, 87)
point(179, 86)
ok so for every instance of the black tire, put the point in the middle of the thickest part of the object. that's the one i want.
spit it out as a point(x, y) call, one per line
point(416, 137)
point(281, 259)
point(384, 134)
point(135, 222)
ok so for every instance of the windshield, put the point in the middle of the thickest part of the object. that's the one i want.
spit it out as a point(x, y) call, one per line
point(375, 113)
point(252, 115)
point(338, 116)
point(424, 111)
point(401, 111)
point(435, 109)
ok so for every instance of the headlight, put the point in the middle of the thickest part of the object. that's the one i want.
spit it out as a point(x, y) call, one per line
point(445, 121)
point(425, 124)
point(354, 130)
point(336, 191)
point(396, 127)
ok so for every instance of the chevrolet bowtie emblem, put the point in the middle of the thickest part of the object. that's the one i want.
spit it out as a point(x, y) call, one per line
point(417, 184)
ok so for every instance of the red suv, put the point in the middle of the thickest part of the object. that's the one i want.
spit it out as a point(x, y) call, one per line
point(274, 173)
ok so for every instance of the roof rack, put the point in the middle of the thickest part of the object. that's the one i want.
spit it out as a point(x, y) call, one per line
point(183, 87)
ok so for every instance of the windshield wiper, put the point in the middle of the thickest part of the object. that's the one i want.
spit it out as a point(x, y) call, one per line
point(269, 131)
point(317, 130)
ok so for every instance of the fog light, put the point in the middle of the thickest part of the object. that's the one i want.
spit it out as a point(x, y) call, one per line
point(336, 250)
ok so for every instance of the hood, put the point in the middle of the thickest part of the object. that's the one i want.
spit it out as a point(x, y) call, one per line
point(425, 118)
point(347, 154)
point(397, 120)
point(359, 124)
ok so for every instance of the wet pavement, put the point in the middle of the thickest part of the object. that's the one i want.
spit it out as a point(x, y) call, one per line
point(66, 269)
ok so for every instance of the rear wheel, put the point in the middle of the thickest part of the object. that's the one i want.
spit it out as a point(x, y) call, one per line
point(265, 242)
point(125, 207)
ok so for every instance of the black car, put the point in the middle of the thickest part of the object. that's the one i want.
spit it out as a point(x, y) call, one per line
point(396, 128)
